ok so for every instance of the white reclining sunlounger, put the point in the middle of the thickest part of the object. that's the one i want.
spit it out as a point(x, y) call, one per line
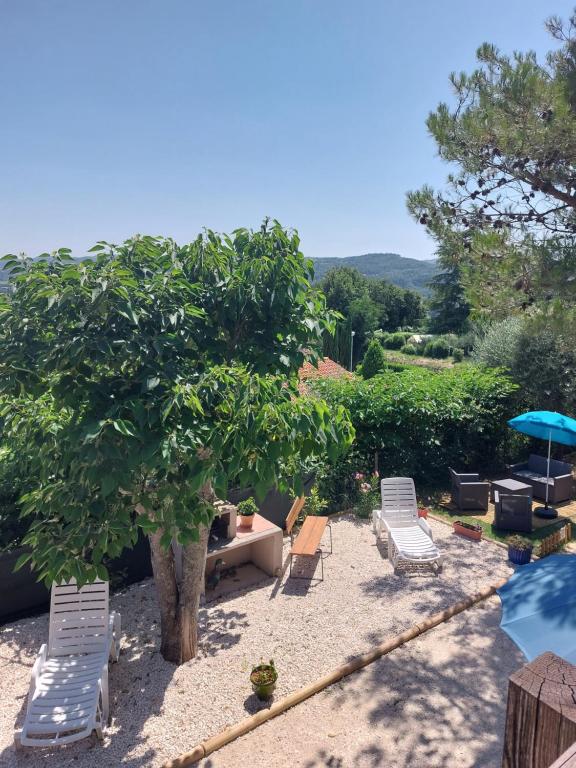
point(68, 697)
point(409, 536)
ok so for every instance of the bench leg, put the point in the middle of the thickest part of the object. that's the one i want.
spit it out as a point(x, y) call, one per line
point(308, 578)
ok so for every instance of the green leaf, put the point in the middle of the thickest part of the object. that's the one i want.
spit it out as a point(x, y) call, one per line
point(22, 560)
point(125, 427)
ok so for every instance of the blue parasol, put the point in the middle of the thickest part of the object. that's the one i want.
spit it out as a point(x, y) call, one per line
point(539, 607)
point(547, 425)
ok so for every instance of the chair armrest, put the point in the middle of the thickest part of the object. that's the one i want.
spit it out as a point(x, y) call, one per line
point(521, 465)
point(425, 527)
point(562, 477)
point(478, 485)
point(563, 484)
point(40, 660)
point(471, 477)
point(36, 670)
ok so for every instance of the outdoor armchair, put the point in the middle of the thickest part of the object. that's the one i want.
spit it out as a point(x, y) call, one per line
point(468, 491)
point(512, 512)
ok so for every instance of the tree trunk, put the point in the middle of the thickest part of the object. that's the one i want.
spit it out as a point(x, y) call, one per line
point(164, 570)
point(180, 602)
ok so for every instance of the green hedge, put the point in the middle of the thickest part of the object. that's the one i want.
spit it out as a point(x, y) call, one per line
point(419, 422)
point(396, 340)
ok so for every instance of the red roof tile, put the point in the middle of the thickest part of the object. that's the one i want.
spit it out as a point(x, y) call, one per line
point(327, 369)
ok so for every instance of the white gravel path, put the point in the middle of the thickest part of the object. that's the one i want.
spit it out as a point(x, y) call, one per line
point(159, 710)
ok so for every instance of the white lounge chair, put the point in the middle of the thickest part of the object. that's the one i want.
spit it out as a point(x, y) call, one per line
point(68, 696)
point(409, 536)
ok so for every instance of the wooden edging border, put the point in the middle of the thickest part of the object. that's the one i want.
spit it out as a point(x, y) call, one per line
point(207, 747)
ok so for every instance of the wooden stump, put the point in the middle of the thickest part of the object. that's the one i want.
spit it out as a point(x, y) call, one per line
point(541, 713)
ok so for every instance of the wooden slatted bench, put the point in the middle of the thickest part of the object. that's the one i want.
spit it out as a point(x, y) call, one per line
point(307, 541)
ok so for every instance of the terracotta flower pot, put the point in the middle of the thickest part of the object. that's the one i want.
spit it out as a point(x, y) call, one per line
point(423, 511)
point(474, 533)
point(246, 522)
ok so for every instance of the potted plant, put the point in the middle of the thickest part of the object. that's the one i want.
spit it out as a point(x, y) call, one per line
point(469, 530)
point(263, 678)
point(247, 509)
point(519, 550)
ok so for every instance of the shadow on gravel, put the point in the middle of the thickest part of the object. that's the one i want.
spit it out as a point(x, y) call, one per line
point(455, 698)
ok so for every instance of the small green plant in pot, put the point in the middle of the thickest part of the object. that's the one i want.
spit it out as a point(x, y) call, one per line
point(519, 550)
point(247, 509)
point(263, 678)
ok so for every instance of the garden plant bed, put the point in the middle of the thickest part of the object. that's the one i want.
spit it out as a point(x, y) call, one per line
point(159, 710)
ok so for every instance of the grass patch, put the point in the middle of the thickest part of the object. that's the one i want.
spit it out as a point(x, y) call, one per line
point(394, 356)
point(490, 532)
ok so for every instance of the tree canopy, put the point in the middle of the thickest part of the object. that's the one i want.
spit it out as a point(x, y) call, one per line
point(151, 376)
point(509, 209)
point(368, 304)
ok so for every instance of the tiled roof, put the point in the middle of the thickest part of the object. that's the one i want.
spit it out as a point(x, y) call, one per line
point(327, 369)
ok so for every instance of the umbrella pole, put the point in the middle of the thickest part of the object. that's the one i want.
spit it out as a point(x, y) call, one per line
point(547, 511)
point(548, 468)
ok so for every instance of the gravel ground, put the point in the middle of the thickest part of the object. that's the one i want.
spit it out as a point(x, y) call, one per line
point(159, 711)
point(437, 702)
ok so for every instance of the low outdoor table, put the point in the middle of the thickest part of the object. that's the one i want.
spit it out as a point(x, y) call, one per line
point(510, 486)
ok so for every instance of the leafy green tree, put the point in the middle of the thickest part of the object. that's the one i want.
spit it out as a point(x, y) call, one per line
point(374, 360)
point(539, 353)
point(368, 304)
point(448, 307)
point(146, 380)
point(341, 286)
point(510, 209)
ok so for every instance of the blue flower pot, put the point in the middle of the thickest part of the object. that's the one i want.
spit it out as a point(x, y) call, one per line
point(519, 556)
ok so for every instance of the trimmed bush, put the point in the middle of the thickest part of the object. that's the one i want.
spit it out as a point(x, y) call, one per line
point(458, 355)
point(417, 423)
point(409, 349)
point(437, 348)
point(374, 360)
point(396, 340)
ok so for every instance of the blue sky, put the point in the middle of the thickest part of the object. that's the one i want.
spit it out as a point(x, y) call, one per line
point(166, 116)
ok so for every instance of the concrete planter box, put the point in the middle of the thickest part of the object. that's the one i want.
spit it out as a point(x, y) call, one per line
point(275, 506)
point(23, 596)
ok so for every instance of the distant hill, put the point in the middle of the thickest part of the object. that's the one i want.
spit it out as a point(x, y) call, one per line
point(404, 272)
point(399, 270)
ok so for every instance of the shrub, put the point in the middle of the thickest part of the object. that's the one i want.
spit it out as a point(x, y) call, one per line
point(315, 504)
point(409, 349)
point(418, 422)
point(437, 348)
point(366, 503)
point(499, 346)
point(397, 340)
point(458, 355)
point(374, 360)
point(540, 355)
